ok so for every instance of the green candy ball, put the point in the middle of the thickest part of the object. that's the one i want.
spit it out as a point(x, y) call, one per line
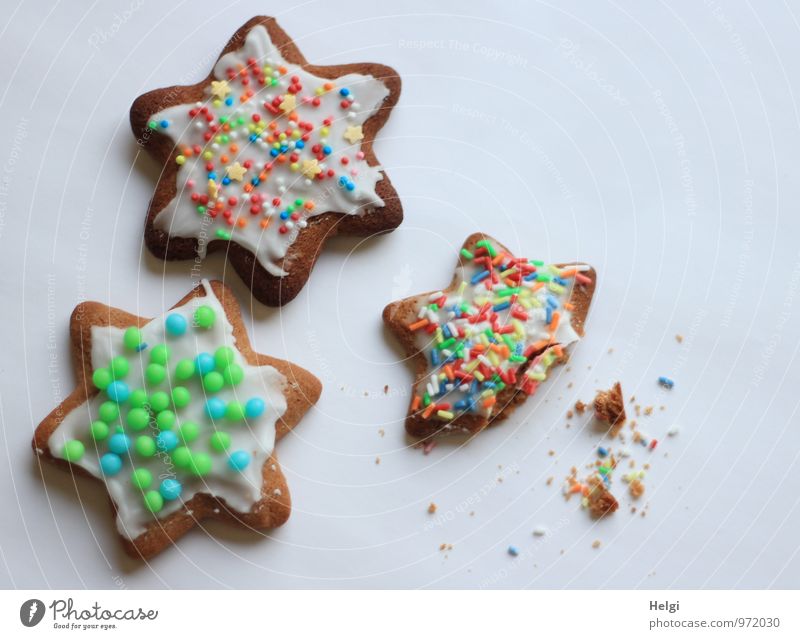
point(138, 418)
point(223, 356)
point(109, 411)
point(201, 464)
point(155, 374)
point(234, 412)
point(159, 401)
point(182, 457)
point(138, 398)
point(233, 375)
point(165, 420)
point(132, 338)
point(99, 430)
point(204, 317)
point(160, 354)
point(189, 431)
point(213, 382)
point(181, 397)
point(220, 442)
point(101, 378)
point(141, 478)
point(119, 367)
point(73, 450)
point(184, 370)
point(145, 446)
point(153, 501)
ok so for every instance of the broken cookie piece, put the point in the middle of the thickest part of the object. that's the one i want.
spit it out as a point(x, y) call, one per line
point(601, 501)
point(609, 407)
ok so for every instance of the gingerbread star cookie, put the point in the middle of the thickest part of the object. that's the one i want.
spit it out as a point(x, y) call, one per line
point(267, 158)
point(481, 346)
point(178, 417)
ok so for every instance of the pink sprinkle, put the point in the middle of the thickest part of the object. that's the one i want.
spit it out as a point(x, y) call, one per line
point(190, 183)
point(354, 172)
point(582, 279)
point(360, 155)
point(429, 446)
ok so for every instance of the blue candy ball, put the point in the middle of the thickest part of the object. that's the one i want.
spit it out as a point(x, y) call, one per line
point(254, 407)
point(170, 489)
point(166, 440)
point(176, 324)
point(344, 92)
point(110, 464)
point(119, 443)
point(204, 363)
point(239, 460)
point(118, 391)
point(215, 408)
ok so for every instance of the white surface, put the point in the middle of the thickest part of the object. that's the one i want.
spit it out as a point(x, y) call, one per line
point(685, 201)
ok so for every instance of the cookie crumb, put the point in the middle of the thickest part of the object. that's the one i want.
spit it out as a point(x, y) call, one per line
point(381, 432)
point(601, 501)
point(636, 488)
point(609, 408)
point(580, 407)
point(679, 338)
point(596, 543)
point(539, 531)
point(386, 389)
point(570, 414)
point(431, 508)
point(377, 460)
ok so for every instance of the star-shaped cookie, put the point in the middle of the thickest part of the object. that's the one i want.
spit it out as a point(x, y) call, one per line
point(289, 149)
point(178, 416)
point(481, 346)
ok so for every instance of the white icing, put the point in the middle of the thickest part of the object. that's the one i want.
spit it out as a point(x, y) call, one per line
point(181, 218)
point(240, 489)
point(532, 300)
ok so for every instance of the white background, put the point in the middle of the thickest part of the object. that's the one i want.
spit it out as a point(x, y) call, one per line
point(657, 141)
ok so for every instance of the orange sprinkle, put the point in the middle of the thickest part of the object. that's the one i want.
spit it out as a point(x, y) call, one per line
point(554, 321)
point(416, 402)
point(309, 205)
point(568, 273)
point(448, 370)
point(265, 222)
point(327, 86)
point(489, 401)
point(542, 343)
point(429, 410)
point(224, 159)
point(248, 187)
point(576, 488)
point(241, 222)
point(234, 148)
point(569, 306)
point(419, 324)
point(537, 286)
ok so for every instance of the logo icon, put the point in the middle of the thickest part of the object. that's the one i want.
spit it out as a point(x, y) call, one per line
point(31, 612)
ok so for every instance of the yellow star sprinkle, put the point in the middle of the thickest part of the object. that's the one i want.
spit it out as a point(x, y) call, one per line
point(289, 103)
point(354, 134)
point(236, 171)
point(310, 168)
point(220, 88)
